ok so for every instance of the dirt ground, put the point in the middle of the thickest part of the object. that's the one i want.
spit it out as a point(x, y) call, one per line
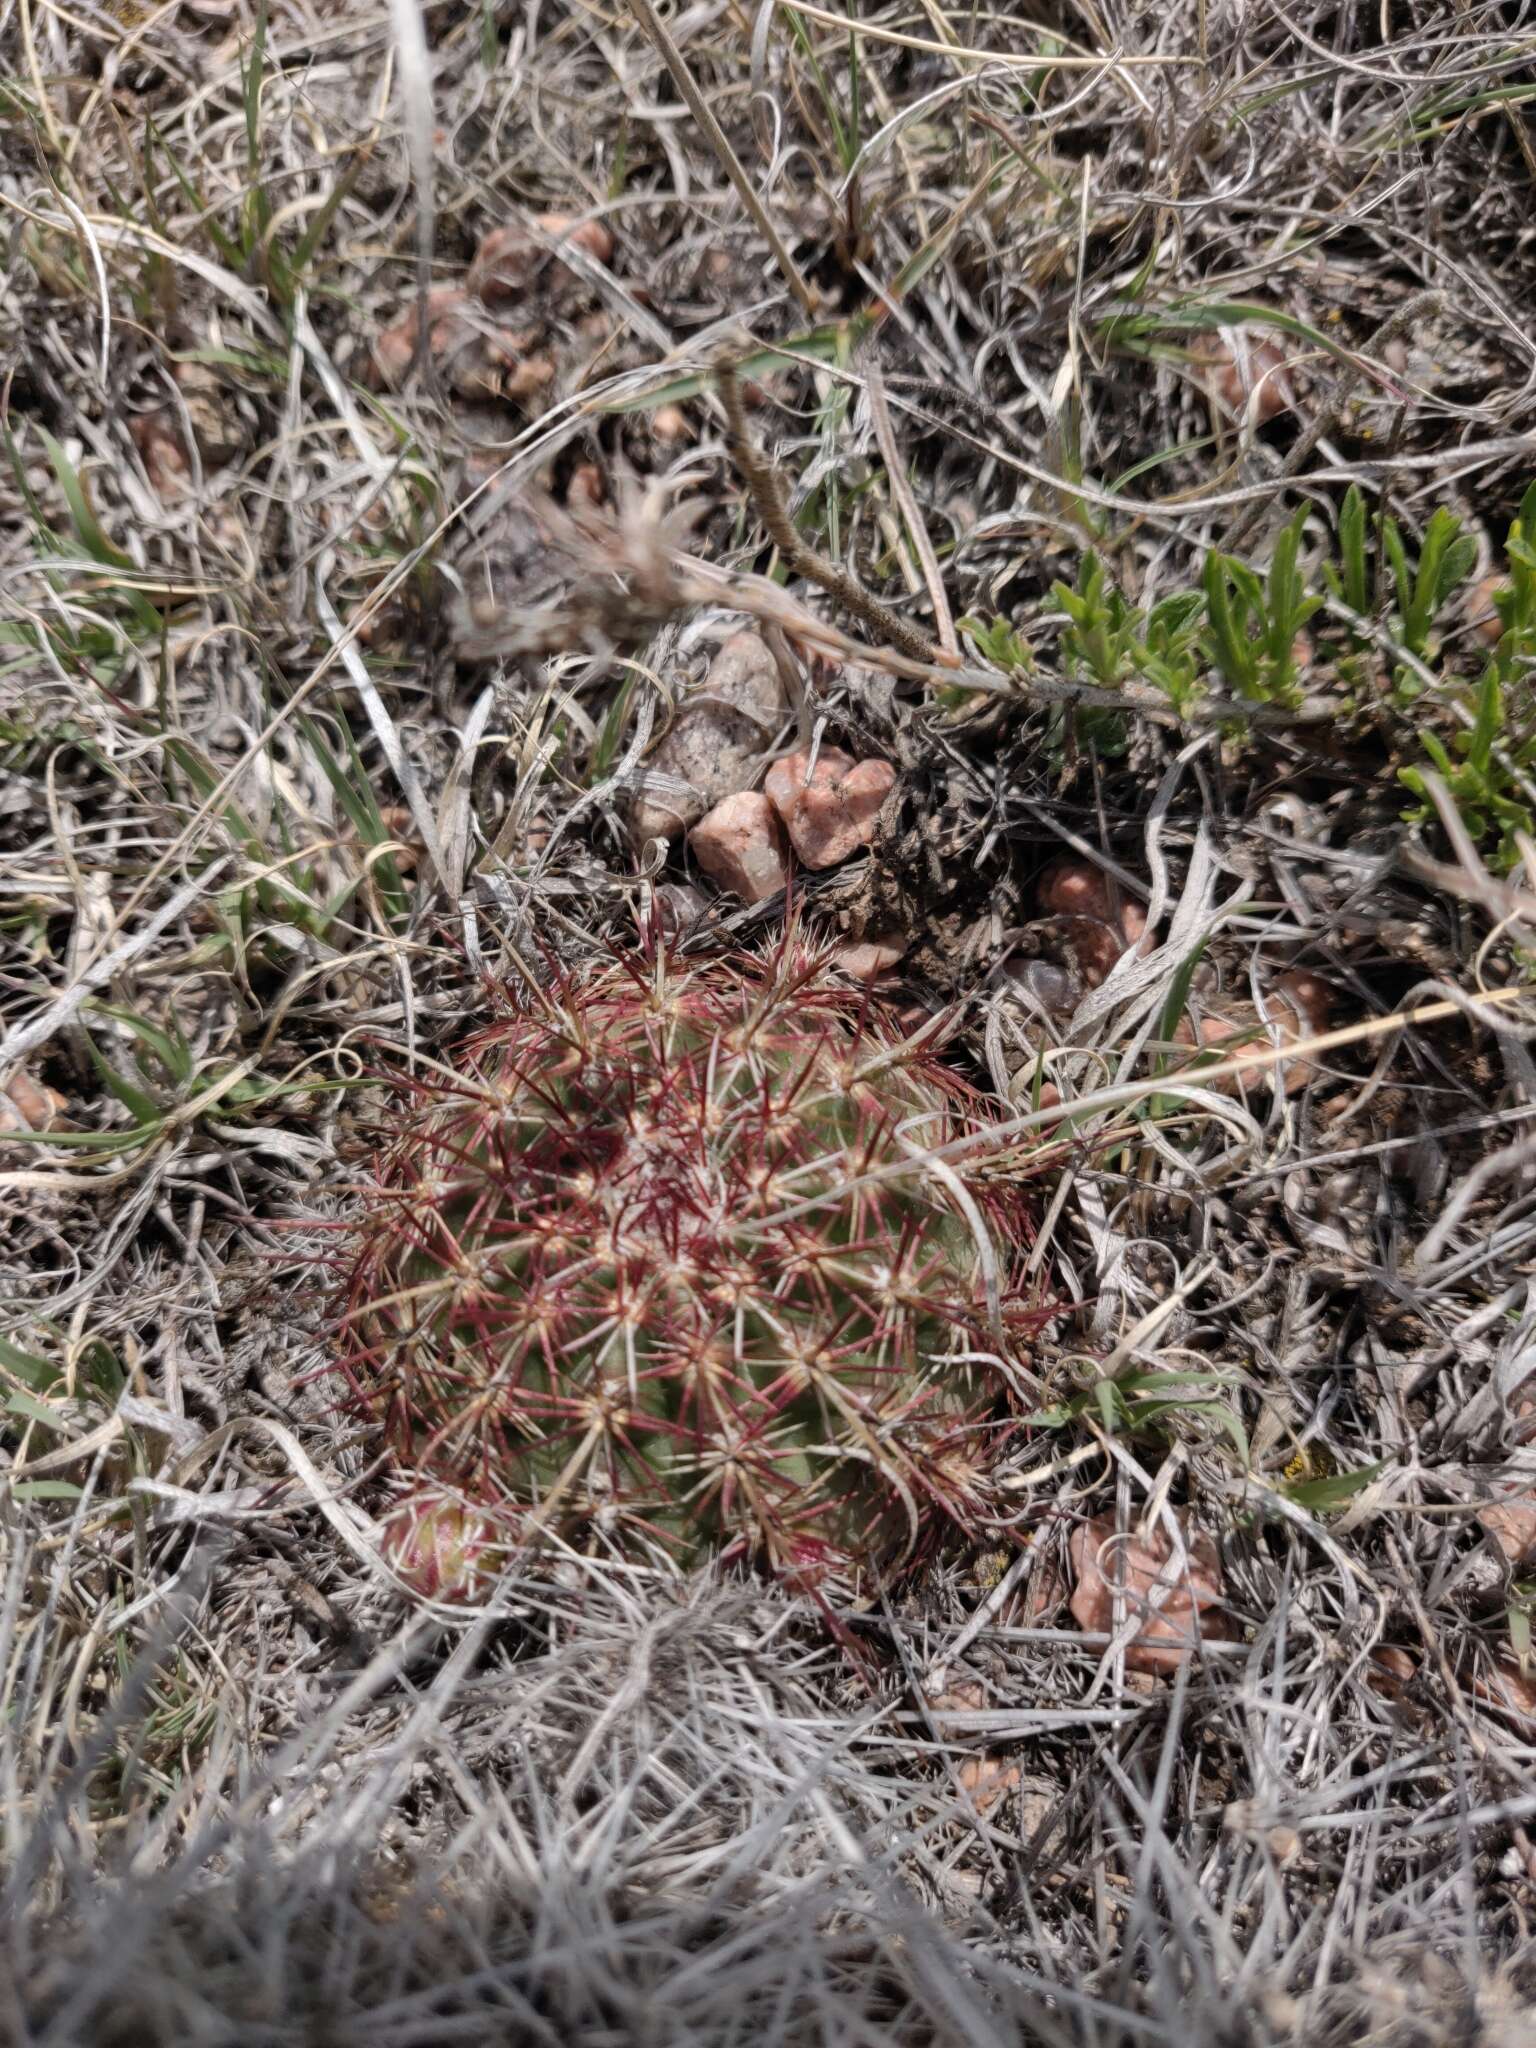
point(1111, 426)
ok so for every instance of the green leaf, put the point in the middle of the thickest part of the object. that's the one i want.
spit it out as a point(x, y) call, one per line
point(254, 77)
point(1230, 649)
point(1336, 1491)
point(105, 1142)
point(1248, 585)
point(1397, 556)
point(355, 795)
point(143, 1108)
point(37, 1372)
point(228, 253)
point(611, 733)
point(1355, 586)
point(84, 519)
point(19, 472)
point(1173, 615)
point(35, 1411)
point(802, 35)
point(170, 1048)
point(1198, 314)
point(205, 782)
point(100, 1366)
point(1519, 1619)
point(1488, 724)
point(1285, 592)
point(298, 263)
point(1444, 561)
point(1177, 998)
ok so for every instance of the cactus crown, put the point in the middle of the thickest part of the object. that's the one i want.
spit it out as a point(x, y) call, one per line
point(632, 1274)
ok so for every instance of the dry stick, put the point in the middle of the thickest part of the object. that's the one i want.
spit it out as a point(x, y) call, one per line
point(416, 99)
point(901, 491)
point(767, 489)
point(698, 106)
point(1023, 60)
point(1338, 398)
point(708, 583)
point(45, 104)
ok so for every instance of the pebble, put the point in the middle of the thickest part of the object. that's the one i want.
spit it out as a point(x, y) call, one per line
point(1243, 371)
point(28, 1105)
point(475, 357)
point(1479, 608)
point(1076, 888)
point(1511, 1522)
point(157, 436)
point(1298, 1004)
point(509, 259)
point(868, 959)
point(679, 905)
point(669, 424)
point(829, 811)
point(740, 846)
point(713, 745)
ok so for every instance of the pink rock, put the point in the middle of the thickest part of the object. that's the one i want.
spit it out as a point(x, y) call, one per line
point(1177, 1604)
point(829, 812)
point(510, 259)
point(475, 357)
point(1296, 1008)
point(740, 845)
point(1247, 374)
point(713, 745)
point(868, 959)
point(1479, 608)
point(1511, 1522)
point(1075, 888)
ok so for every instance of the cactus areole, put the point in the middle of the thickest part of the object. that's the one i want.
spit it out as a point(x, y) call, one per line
point(654, 1268)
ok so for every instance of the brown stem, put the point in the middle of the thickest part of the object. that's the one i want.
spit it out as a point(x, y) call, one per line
point(768, 495)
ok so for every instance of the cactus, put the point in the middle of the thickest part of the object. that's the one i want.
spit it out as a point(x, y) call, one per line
point(442, 1547)
point(657, 1268)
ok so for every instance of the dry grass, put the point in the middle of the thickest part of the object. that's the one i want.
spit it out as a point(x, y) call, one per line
point(322, 698)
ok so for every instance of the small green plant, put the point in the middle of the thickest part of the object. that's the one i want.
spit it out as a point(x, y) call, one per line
point(1113, 642)
point(1254, 624)
point(176, 1720)
point(247, 229)
point(48, 1402)
point(168, 1073)
point(1421, 589)
point(845, 127)
point(1445, 562)
point(1253, 631)
point(998, 643)
point(1102, 636)
point(1488, 767)
point(1516, 603)
point(1169, 656)
point(1155, 1405)
point(1486, 770)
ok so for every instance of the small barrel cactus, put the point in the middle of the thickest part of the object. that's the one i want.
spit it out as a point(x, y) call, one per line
point(657, 1269)
point(442, 1547)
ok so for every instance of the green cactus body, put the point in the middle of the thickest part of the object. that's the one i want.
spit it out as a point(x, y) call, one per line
point(642, 1275)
